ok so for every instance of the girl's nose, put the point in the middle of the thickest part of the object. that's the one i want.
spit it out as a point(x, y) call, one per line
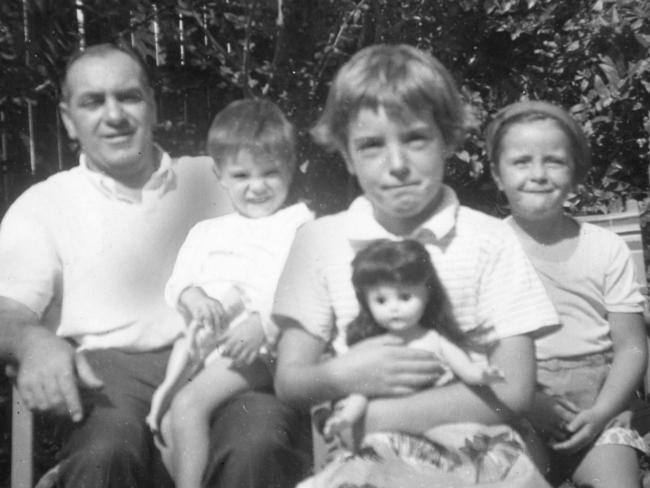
point(538, 170)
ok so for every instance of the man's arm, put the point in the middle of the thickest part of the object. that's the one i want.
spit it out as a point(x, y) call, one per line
point(49, 369)
point(497, 403)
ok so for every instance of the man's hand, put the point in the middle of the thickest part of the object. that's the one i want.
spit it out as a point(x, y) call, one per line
point(51, 373)
point(202, 309)
point(383, 366)
point(242, 343)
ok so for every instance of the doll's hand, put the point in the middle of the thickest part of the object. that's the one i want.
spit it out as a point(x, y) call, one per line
point(550, 417)
point(583, 429)
point(202, 309)
point(346, 413)
point(242, 343)
point(492, 374)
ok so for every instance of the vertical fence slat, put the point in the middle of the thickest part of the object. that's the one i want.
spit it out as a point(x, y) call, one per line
point(81, 24)
point(30, 108)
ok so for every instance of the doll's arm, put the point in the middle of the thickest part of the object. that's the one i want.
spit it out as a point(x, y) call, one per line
point(468, 371)
point(630, 357)
point(346, 413)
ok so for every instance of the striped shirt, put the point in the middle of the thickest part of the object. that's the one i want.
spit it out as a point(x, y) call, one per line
point(493, 288)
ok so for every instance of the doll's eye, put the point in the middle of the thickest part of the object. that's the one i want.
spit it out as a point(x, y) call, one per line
point(405, 297)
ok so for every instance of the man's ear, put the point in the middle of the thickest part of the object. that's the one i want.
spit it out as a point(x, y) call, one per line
point(495, 176)
point(69, 125)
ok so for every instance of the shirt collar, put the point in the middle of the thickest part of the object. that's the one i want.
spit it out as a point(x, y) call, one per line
point(159, 182)
point(362, 227)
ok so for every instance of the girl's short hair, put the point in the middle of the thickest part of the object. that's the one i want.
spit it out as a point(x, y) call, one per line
point(403, 80)
point(530, 111)
point(255, 124)
point(405, 262)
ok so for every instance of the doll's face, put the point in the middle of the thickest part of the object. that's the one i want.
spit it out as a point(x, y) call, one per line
point(397, 307)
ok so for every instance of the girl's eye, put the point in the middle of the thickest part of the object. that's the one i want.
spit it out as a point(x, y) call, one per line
point(405, 297)
point(556, 162)
point(520, 162)
point(238, 176)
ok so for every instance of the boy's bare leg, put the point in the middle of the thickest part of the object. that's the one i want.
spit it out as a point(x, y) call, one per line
point(191, 410)
point(609, 465)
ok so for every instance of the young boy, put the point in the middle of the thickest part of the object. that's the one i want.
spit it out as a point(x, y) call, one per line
point(395, 116)
point(227, 269)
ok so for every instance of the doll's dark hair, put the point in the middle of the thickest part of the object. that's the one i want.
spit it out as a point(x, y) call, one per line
point(404, 262)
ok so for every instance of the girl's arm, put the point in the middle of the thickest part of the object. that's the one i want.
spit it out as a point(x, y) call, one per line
point(380, 366)
point(467, 370)
point(629, 364)
point(495, 404)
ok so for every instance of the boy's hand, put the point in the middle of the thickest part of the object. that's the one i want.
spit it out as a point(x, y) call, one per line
point(242, 343)
point(551, 416)
point(202, 309)
point(583, 429)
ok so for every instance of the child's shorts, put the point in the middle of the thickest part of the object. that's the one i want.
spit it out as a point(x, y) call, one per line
point(579, 380)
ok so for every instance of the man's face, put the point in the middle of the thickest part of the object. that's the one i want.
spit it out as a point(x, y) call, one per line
point(110, 111)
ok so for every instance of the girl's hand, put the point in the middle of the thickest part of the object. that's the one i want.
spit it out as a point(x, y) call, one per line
point(583, 429)
point(202, 309)
point(551, 416)
point(243, 342)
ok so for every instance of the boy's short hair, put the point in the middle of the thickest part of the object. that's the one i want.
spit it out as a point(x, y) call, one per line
point(402, 79)
point(255, 124)
point(530, 111)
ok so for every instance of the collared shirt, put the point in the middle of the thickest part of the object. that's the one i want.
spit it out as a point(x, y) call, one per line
point(494, 290)
point(157, 184)
point(93, 264)
point(234, 251)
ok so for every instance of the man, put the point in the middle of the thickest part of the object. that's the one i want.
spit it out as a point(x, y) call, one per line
point(84, 257)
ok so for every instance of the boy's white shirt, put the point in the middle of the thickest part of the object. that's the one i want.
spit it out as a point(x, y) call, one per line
point(490, 282)
point(238, 252)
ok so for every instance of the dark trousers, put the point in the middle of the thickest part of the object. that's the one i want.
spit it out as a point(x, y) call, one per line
point(257, 441)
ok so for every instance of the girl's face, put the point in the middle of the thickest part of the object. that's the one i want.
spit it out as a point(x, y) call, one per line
point(258, 186)
point(535, 169)
point(399, 165)
point(397, 307)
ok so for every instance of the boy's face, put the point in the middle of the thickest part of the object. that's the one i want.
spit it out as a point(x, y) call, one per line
point(258, 185)
point(399, 165)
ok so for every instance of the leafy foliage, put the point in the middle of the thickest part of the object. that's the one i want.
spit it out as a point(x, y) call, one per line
point(592, 56)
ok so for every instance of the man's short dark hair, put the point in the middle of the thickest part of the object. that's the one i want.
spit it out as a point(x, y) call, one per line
point(99, 50)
